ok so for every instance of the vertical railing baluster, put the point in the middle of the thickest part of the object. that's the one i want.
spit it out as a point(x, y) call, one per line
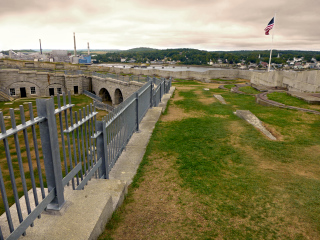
point(26, 141)
point(112, 135)
point(90, 139)
point(62, 136)
point(86, 136)
point(93, 140)
point(2, 187)
point(82, 141)
point(68, 139)
point(19, 157)
point(73, 139)
point(79, 149)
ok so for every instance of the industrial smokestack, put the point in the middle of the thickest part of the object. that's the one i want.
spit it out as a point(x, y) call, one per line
point(75, 49)
point(88, 49)
point(40, 47)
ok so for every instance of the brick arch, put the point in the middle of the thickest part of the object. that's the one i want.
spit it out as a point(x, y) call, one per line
point(105, 95)
point(22, 83)
point(118, 97)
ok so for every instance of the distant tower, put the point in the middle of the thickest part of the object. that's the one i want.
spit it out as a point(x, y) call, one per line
point(278, 55)
point(88, 49)
point(40, 47)
point(74, 40)
point(259, 56)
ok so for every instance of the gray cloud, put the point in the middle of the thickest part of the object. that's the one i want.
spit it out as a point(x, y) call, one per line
point(206, 24)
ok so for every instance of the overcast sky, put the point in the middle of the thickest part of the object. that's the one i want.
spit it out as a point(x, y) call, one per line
point(124, 24)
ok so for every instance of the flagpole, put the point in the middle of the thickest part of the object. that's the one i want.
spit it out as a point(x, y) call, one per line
point(274, 22)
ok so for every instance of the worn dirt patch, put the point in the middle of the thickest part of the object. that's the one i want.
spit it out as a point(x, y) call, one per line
point(161, 208)
point(221, 116)
point(177, 96)
point(211, 85)
point(184, 88)
point(273, 131)
point(177, 114)
point(207, 101)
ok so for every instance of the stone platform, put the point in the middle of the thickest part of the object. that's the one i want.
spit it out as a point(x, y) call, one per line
point(311, 98)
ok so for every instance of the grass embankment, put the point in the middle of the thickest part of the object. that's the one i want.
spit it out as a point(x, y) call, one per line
point(229, 86)
point(249, 90)
point(208, 174)
point(178, 81)
point(80, 102)
point(286, 99)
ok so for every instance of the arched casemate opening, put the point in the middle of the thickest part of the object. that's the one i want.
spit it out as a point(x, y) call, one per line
point(118, 98)
point(104, 94)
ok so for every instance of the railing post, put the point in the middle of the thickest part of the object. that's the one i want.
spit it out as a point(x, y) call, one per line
point(151, 93)
point(160, 91)
point(137, 111)
point(51, 151)
point(102, 148)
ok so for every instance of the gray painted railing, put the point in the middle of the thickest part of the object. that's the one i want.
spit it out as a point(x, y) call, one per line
point(73, 72)
point(119, 77)
point(103, 106)
point(92, 95)
point(75, 147)
point(98, 101)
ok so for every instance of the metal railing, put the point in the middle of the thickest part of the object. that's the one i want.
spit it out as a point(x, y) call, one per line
point(103, 106)
point(73, 148)
point(73, 72)
point(98, 101)
point(119, 77)
point(92, 95)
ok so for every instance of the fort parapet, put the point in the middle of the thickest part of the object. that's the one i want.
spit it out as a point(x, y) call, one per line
point(302, 81)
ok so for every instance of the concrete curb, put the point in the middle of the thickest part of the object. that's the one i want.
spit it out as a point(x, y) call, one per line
point(88, 211)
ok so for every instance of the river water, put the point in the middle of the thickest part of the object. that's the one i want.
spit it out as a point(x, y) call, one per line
point(165, 68)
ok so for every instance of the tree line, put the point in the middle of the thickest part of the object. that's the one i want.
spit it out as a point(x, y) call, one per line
point(201, 57)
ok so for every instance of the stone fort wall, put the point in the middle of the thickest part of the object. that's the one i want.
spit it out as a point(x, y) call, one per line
point(304, 81)
point(39, 84)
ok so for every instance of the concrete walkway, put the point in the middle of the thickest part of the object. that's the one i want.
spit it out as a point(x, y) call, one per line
point(86, 212)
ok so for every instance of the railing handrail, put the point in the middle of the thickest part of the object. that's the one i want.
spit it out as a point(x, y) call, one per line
point(91, 95)
point(100, 149)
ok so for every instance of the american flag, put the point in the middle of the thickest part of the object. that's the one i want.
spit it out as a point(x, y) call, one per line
point(269, 27)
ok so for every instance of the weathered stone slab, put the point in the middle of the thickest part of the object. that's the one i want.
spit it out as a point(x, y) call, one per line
point(311, 98)
point(253, 120)
point(220, 98)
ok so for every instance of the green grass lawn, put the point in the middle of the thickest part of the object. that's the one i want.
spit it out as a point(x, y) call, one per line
point(249, 90)
point(286, 99)
point(223, 80)
point(226, 180)
point(229, 86)
point(178, 81)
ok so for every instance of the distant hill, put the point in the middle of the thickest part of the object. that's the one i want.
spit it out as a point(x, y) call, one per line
point(141, 49)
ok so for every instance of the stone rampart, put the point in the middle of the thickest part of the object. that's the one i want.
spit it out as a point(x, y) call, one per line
point(304, 81)
point(21, 83)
